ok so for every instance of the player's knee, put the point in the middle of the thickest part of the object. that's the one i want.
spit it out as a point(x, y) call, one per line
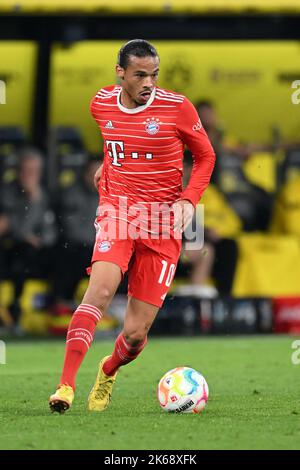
point(136, 337)
point(100, 298)
point(104, 297)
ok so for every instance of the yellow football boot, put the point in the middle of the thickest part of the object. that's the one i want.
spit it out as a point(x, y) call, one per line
point(100, 394)
point(62, 399)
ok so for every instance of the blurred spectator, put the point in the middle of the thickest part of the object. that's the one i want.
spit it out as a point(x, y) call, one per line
point(221, 141)
point(76, 212)
point(226, 143)
point(252, 204)
point(29, 223)
point(286, 213)
point(5, 317)
point(217, 258)
point(4, 229)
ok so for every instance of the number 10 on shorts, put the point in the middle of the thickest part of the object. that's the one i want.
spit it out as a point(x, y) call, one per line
point(167, 274)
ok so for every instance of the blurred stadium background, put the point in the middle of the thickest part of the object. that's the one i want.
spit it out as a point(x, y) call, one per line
point(237, 62)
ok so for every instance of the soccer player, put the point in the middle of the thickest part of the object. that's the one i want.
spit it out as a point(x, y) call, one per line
point(145, 129)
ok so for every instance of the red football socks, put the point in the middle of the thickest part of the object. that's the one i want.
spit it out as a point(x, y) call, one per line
point(123, 353)
point(79, 338)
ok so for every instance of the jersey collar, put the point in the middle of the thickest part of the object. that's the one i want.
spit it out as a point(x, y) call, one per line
point(138, 109)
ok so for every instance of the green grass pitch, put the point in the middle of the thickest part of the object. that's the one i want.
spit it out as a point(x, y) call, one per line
point(254, 397)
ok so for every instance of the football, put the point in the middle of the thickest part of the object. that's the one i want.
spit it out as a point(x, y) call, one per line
point(182, 390)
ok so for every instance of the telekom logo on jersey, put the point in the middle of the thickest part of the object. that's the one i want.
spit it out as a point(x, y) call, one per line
point(115, 150)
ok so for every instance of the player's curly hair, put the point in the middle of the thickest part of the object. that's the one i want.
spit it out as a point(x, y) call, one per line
point(137, 48)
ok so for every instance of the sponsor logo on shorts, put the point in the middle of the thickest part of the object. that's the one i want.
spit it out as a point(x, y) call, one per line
point(104, 246)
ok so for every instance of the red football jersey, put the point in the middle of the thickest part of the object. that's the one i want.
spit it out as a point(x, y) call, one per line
point(143, 149)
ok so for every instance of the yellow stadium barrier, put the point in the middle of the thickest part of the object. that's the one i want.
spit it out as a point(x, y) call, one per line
point(268, 266)
point(6, 293)
point(241, 78)
point(155, 6)
point(218, 215)
point(260, 169)
point(6, 298)
point(17, 68)
point(34, 320)
point(80, 289)
point(286, 214)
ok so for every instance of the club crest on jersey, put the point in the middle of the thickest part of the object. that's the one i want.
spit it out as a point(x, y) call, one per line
point(152, 125)
point(104, 246)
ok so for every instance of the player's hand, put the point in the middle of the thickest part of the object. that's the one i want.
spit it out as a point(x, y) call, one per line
point(97, 176)
point(183, 214)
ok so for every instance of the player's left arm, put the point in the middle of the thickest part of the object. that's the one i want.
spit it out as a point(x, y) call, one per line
point(192, 134)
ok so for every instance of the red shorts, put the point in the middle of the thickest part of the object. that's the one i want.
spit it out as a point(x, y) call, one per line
point(151, 264)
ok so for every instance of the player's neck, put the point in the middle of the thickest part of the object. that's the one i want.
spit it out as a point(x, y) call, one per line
point(127, 101)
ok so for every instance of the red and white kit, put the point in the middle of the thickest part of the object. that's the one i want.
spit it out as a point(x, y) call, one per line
point(143, 165)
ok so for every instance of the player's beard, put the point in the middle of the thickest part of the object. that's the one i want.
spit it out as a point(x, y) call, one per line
point(145, 101)
point(138, 103)
point(134, 95)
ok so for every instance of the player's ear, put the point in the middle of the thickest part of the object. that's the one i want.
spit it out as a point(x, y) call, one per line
point(120, 71)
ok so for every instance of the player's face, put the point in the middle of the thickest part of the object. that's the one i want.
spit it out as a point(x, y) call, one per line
point(138, 80)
